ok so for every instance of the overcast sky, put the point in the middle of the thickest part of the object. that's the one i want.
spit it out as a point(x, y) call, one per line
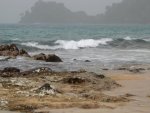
point(10, 10)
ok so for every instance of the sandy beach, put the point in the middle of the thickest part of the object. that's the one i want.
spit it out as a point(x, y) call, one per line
point(133, 84)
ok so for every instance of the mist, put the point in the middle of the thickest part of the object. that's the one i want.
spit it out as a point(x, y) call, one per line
point(128, 12)
point(11, 10)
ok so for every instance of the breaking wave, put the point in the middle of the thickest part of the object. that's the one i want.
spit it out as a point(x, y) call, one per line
point(126, 42)
point(84, 43)
point(36, 45)
point(64, 44)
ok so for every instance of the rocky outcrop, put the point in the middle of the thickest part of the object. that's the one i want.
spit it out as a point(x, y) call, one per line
point(10, 72)
point(12, 51)
point(10, 69)
point(47, 89)
point(47, 58)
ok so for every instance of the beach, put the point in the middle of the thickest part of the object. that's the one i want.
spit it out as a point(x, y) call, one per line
point(79, 69)
point(134, 87)
point(134, 84)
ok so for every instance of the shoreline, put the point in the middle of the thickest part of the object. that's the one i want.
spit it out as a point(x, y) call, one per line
point(42, 89)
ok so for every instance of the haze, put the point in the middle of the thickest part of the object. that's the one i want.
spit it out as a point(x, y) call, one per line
point(11, 10)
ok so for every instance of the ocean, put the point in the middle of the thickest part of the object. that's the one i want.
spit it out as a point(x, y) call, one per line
point(90, 47)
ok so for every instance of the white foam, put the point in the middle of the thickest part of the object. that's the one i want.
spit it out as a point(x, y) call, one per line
point(36, 45)
point(128, 38)
point(84, 43)
point(64, 44)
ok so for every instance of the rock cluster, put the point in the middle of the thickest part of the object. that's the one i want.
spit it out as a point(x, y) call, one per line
point(12, 51)
point(47, 58)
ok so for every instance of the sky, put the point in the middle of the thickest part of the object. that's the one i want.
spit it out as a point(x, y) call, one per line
point(11, 10)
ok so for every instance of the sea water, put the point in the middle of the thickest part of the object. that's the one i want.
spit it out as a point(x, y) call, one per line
point(104, 46)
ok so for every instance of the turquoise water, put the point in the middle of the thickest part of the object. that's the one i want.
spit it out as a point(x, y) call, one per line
point(47, 35)
point(103, 45)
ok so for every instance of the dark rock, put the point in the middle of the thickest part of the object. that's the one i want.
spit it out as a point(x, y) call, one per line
point(75, 59)
point(87, 61)
point(40, 56)
point(10, 69)
point(105, 69)
point(47, 58)
point(13, 47)
point(4, 47)
point(53, 58)
point(100, 76)
point(122, 68)
point(74, 80)
point(47, 89)
point(22, 52)
point(12, 51)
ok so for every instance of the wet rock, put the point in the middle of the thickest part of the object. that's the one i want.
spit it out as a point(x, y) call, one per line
point(22, 52)
point(10, 69)
point(87, 61)
point(74, 59)
point(135, 69)
point(40, 56)
point(53, 58)
point(12, 51)
point(47, 58)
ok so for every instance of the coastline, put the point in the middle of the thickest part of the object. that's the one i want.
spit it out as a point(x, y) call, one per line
point(43, 90)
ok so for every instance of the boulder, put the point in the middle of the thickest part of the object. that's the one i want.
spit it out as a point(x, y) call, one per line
point(53, 58)
point(40, 56)
point(22, 52)
point(12, 51)
point(47, 89)
point(87, 61)
point(47, 58)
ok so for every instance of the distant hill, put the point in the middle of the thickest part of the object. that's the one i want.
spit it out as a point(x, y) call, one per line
point(52, 12)
point(128, 11)
point(125, 12)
